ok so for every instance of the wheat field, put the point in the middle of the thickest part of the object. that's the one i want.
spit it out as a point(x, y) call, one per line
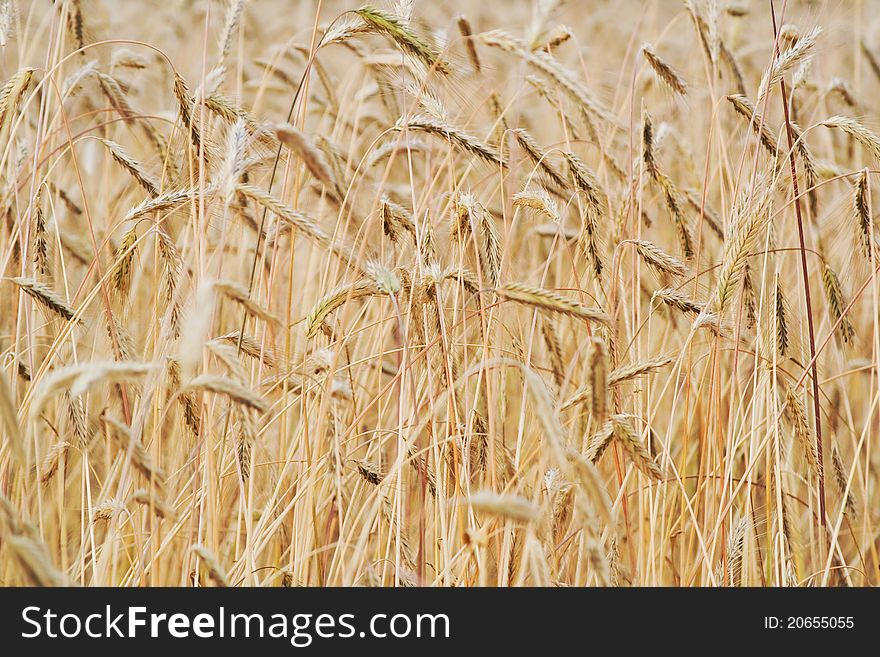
point(526, 293)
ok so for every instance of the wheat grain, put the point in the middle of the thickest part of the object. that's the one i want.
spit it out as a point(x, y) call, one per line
point(311, 156)
point(664, 71)
point(636, 450)
point(447, 131)
point(746, 109)
point(538, 156)
point(232, 389)
point(157, 504)
point(134, 167)
point(549, 300)
point(802, 431)
point(163, 203)
point(836, 302)
point(659, 260)
point(788, 59)
point(9, 417)
point(549, 65)
point(467, 35)
point(47, 297)
point(240, 295)
point(369, 471)
point(22, 540)
point(334, 299)
point(554, 347)
point(539, 201)
point(840, 480)
point(215, 570)
point(12, 91)
point(857, 131)
point(780, 305)
point(675, 299)
point(862, 215)
point(402, 35)
point(503, 506)
point(748, 224)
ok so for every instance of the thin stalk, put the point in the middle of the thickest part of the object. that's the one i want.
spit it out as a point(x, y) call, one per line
point(803, 251)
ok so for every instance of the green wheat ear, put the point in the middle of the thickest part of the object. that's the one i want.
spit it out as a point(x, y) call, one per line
point(410, 42)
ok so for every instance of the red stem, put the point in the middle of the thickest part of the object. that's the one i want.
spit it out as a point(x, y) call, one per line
point(803, 250)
